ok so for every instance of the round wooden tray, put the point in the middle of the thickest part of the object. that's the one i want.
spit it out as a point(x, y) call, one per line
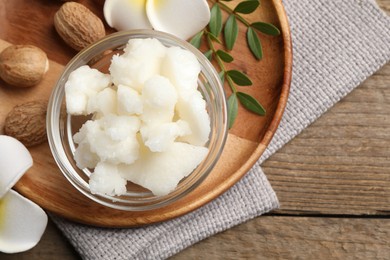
point(247, 140)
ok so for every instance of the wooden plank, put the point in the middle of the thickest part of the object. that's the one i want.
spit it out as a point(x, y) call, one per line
point(341, 163)
point(272, 237)
point(384, 5)
point(267, 237)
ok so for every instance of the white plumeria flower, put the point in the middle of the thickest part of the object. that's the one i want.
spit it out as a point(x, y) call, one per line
point(181, 18)
point(126, 14)
point(22, 222)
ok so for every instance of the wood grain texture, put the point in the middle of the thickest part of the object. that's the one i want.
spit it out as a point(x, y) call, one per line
point(273, 237)
point(341, 164)
point(294, 237)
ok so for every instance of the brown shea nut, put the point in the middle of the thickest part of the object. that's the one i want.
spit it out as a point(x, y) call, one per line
point(77, 25)
point(27, 122)
point(23, 65)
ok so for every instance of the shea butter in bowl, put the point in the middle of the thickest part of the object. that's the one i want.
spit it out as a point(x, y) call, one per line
point(137, 120)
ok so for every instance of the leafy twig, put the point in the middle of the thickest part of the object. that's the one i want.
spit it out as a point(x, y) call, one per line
point(230, 32)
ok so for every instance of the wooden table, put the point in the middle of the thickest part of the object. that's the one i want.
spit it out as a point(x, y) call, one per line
point(333, 183)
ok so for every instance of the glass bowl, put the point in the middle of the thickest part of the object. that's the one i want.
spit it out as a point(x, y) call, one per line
point(61, 127)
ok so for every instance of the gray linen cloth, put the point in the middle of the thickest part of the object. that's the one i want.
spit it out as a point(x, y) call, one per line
point(337, 44)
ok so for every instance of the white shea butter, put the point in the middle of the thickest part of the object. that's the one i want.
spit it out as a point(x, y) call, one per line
point(124, 107)
point(182, 68)
point(83, 84)
point(140, 61)
point(149, 121)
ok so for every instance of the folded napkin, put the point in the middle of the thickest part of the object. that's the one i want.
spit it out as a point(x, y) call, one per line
point(337, 44)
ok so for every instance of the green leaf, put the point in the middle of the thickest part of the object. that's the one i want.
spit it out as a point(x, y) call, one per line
point(247, 7)
point(239, 78)
point(232, 109)
point(266, 28)
point(231, 31)
point(215, 24)
point(208, 54)
point(214, 38)
point(226, 57)
point(254, 43)
point(251, 103)
point(195, 41)
point(222, 76)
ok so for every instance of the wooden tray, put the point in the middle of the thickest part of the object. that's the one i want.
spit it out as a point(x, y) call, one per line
point(247, 140)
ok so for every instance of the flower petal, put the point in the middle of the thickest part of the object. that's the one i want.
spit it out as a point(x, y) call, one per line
point(180, 18)
point(126, 14)
point(15, 160)
point(22, 223)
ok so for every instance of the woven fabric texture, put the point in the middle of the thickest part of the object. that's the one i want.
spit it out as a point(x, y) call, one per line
point(337, 45)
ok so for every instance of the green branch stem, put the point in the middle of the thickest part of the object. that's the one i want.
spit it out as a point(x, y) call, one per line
point(220, 62)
